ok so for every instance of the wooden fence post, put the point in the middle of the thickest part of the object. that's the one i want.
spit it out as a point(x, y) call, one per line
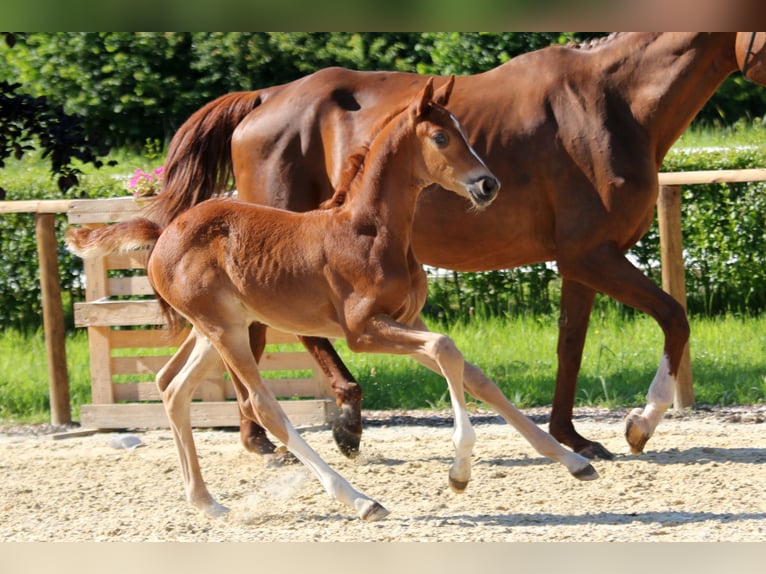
point(53, 318)
point(674, 279)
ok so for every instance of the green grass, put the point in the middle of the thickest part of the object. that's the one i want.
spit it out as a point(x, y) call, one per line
point(742, 133)
point(620, 359)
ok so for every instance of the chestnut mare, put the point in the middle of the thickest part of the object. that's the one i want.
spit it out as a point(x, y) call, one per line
point(345, 271)
point(576, 135)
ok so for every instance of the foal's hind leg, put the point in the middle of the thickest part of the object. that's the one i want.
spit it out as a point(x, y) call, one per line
point(177, 381)
point(253, 435)
point(258, 402)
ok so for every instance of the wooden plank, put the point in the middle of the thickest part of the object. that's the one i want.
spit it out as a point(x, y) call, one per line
point(106, 313)
point(203, 415)
point(712, 176)
point(286, 361)
point(100, 368)
point(37, 206)
point(135, 259)
point(143, 365)
point(121, 286)
point(146, 338)
point(103, 210)
point(209, 389)
point(150, 364)
point(95, 278)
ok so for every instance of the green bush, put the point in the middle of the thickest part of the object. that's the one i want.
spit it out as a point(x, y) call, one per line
point(724, 234)
point(20, 298)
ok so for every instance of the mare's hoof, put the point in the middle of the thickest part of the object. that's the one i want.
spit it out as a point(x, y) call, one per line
point(348, 442)
point(280, 457)
point(595, 451)
point(635, 431)
point(373, 512)
point(586, 473)
point(259, 445)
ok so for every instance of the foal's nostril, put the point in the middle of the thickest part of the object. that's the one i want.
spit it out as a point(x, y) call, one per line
point(489, 186)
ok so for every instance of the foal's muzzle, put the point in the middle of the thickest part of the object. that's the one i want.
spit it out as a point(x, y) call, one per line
point(484, 190)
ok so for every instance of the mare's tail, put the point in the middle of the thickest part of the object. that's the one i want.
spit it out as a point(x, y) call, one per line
point(198, 164)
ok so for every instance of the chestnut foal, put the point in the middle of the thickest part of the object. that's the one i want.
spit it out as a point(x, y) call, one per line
point(345, 271)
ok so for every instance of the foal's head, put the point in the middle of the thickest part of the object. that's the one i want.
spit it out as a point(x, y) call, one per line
point(447, 157)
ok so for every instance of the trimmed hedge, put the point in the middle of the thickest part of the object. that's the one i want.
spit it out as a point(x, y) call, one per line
point(724, 231)
point(724, 228)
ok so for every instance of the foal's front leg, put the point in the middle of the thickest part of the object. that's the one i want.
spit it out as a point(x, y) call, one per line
point(480, 386)
point(382, 334)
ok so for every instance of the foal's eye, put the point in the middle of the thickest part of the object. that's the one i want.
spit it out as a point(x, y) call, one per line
point(440, 139)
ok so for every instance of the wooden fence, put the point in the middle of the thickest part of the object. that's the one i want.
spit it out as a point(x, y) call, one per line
point(671, 246)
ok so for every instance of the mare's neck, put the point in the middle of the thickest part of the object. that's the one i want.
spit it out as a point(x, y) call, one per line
point(669, 77)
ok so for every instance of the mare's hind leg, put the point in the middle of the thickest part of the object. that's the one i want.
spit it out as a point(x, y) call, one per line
point(259, 403)
point(480, 386)
point(253, 435)
point(607, 270)
point(177, 381)
point(576, 306)
point(347, 429)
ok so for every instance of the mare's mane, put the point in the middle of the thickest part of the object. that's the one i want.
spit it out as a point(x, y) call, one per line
point(594, 43)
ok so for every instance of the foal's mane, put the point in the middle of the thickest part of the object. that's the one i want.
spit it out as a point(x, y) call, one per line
point(355, 163)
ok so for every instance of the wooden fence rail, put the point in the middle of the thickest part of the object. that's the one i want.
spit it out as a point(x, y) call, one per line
point(671, 247)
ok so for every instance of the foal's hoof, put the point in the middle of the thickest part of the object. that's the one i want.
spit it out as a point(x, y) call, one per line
point(457, 486)
point(586, 473)
point(347, 441)
point(374, 511)
point(213, 509)
point(636, 432)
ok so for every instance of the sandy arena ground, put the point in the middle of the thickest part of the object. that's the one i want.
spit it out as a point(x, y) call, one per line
point(703, 478)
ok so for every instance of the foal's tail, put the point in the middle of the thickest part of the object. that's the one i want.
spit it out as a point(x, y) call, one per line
point(132, 235)
point(198, 164)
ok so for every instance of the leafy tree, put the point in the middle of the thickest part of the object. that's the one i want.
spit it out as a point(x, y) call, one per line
point(26, 119)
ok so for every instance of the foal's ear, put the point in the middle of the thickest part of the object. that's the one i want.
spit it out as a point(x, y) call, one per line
point(425, 98)
point(442, 95)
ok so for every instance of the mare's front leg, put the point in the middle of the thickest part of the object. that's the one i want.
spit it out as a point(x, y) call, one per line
point(382, 334)
point(576, 305)
point(606, 269)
